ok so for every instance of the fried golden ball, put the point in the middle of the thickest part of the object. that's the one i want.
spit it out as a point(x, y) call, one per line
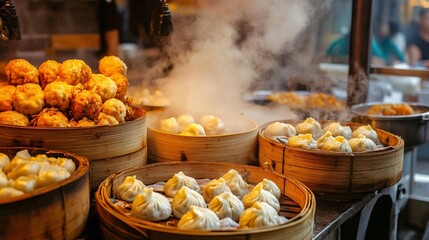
point(50, 117)
point(109, 65)
point(6, 93)
point(20, 71)
point(49, 72)
point(86, 103)
point(13, 118)
point(84, 122)
point(58, 95)
point(28, 99)
point(122, 84)
point(103, 85)
point(106, 120)
point(115, 108)
point(74, 71)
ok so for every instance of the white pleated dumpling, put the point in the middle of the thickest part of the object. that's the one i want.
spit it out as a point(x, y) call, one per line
point(271, 187)
point(151, 206)
point(337, 144)
point(279, 129)
point(260, 214)
point(259, 194)
point(23, 183)
point(179, 180)
point(304, 141)
point(235, 182)
point(4, 160)
point(361, 144)
point(227, 205)
point(49, 174)
point(198, 218)
point(214, 188)
point(3, 179)
point(129, 189)
point(322, 139)
point(193, 129)
point(184, 121)
point(8, 192)
point(366, 131)
point(338, 130)
point(184, 199)
point(212, 125)
point(24, 169)
point(66, 163)
point(169, 125)
point(309, 126)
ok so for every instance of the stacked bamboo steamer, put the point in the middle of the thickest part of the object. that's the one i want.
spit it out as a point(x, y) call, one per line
point(297, 203)
point(108, 148)
point(334, 175)
point(57, 211)
point(238, 145)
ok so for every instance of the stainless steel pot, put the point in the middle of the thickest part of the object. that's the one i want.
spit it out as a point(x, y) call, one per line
point(414, 129)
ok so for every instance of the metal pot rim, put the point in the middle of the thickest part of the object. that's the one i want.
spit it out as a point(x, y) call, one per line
point(359, 108)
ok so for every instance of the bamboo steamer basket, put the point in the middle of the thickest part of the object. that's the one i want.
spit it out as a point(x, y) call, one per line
point(333, 175)
point(108, 148)
point(58, 211)
point(298, 204)
point(237, 145)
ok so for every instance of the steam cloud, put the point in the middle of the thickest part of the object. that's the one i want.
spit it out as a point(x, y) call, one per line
point(226, 49)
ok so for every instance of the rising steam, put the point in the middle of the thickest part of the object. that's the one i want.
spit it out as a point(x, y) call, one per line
point(229, 46)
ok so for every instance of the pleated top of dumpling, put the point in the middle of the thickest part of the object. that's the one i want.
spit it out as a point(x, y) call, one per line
point(304, 141)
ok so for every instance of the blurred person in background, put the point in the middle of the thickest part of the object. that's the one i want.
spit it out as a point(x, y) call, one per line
point(418, 45)
point(109, 23)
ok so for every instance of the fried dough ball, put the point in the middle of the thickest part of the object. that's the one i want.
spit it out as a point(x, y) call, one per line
point(106, 120)
point(20, 71)
point(13, 118)
point(109, 65)
point(122, 84)
point(74, 71)
point(50, 117)
point(104, 86)
point(49, 72)
point(28, 99)
point(58, 95)
point(84, 122)
point(86, 103)
point(6, 93)
point(115, 108)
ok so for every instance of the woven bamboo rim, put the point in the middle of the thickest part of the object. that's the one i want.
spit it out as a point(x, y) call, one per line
point(117, 223)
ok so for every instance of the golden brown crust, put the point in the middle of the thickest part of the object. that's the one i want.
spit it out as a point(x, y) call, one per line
point(50, 117)
point(6, 102)
point(49, 72)
point(84, 122)
point(102, 85)
point(391, 109)
point(13, 118)
point(115, 108)
point(106, 120)
point(86, 103)
point(28, 99)
point(58, 95)
point(74, 71)
point(109, 65)
point(20, 71)
point(122, 84)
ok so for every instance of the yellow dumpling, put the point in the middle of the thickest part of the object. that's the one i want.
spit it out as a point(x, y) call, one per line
point(304, 141)
point(193, 129)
